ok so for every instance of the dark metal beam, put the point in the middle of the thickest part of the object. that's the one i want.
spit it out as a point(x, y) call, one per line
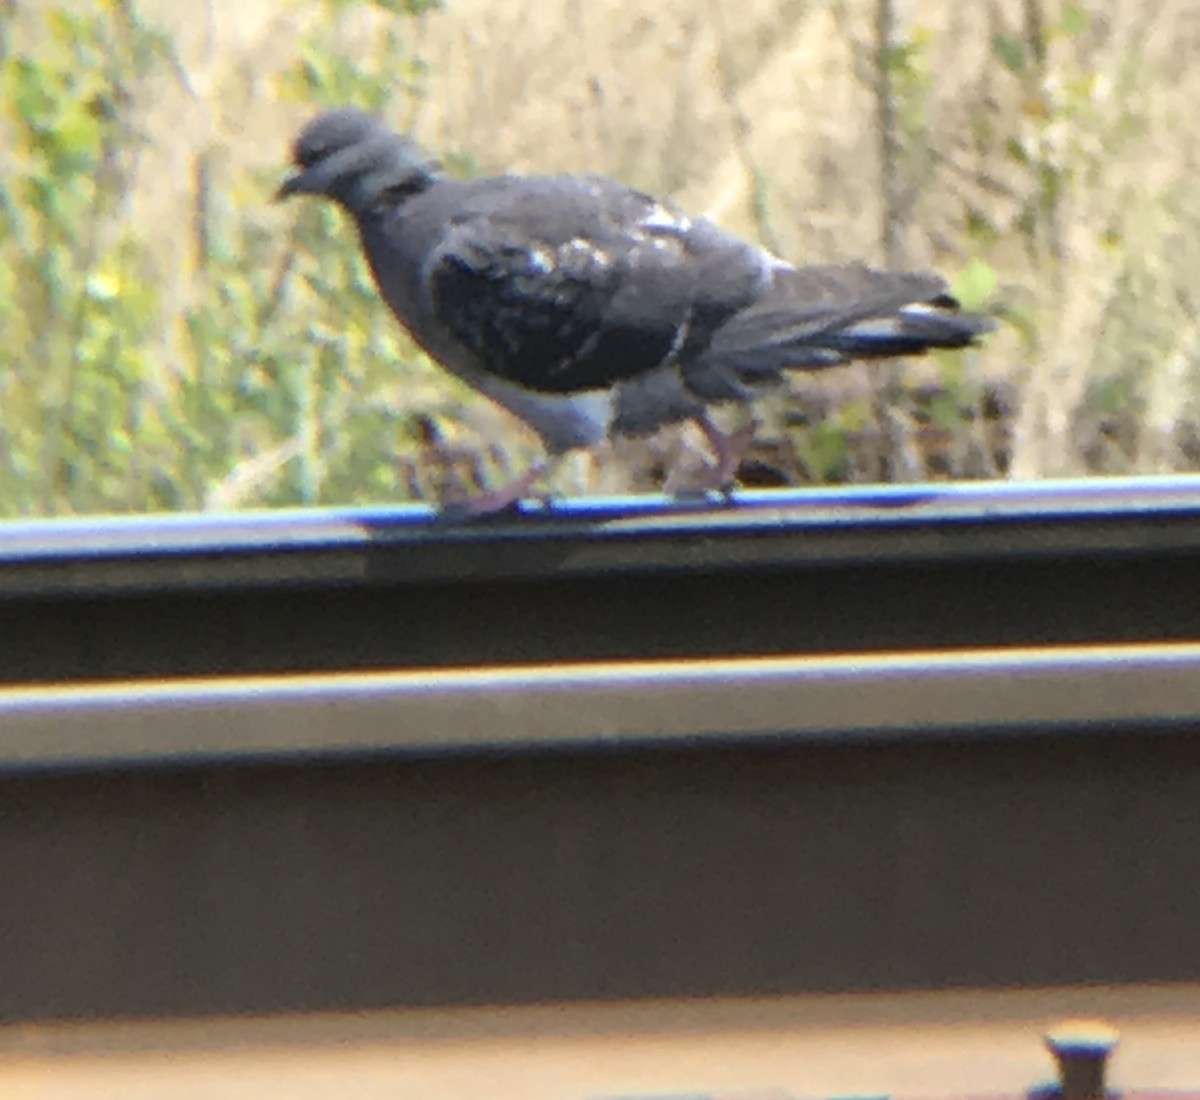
point(817, 572)
point(686, 870)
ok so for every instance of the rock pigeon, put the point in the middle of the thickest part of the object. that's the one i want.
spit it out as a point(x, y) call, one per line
point(587, 308)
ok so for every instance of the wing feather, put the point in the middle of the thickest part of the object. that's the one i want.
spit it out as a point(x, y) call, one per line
point(566, 284)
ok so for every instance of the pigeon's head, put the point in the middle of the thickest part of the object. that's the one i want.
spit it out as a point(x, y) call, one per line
point(351, 157)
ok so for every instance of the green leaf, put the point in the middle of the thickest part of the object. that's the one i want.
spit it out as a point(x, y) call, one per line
point(975, 283)
point(76, 134)
point(1075, 20)
point(944, 412)
point(1009, 52)
point(1017, 152)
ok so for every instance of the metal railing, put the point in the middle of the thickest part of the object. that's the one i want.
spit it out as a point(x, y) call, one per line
point(877, 738)
point(926, 567)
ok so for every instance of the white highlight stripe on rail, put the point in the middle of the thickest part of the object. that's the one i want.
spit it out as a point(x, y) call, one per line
point(880, 696)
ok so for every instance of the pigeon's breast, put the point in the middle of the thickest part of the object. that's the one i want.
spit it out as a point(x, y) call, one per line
point(397, 245)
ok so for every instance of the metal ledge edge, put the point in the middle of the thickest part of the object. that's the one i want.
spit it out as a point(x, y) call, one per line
point(408, 543)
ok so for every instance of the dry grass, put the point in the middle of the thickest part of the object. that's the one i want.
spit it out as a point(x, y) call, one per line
point(764, 115)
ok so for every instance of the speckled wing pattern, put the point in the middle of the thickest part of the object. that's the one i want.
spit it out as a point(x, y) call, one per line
point(566, 283)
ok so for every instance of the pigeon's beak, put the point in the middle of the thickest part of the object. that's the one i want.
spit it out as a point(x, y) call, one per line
point(293, 185)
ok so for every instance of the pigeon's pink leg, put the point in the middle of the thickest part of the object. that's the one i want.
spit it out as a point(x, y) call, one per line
point(728, 449)
point(491, 501)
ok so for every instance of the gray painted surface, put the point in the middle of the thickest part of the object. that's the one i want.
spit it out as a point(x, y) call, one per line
point(961, 694)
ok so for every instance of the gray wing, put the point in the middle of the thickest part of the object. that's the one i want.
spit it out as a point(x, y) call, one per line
point(566, 284)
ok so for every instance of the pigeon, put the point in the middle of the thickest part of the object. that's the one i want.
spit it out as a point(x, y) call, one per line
point(589, 309)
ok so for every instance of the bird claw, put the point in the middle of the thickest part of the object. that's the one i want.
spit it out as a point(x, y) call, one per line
point(493, 502)
point(720, 476)
point(728, 450)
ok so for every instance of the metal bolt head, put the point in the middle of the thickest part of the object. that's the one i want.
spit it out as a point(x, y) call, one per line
point(1081, 1049)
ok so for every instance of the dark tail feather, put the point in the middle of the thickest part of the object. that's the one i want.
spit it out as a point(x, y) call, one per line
point(909, 332)
point(759, 345)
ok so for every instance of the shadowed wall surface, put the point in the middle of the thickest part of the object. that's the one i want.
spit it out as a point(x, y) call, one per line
point(776, 869)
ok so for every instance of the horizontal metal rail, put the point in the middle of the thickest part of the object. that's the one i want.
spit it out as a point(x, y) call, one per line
point(883, 525)
point(775, 574)
point(863, 698)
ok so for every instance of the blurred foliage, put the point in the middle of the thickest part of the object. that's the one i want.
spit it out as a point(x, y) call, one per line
point(78, 308)
point(264, 379)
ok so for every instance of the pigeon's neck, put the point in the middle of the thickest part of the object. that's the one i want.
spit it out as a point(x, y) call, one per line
point(402, 173)
point(393, 193)
point(372, 229)
point(388, 242)
point(386, 211)
point(374, 199)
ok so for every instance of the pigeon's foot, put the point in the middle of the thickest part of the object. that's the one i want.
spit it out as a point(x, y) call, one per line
point(696, 476)
point(490, 502)
point(456, 474)
point(728, 449)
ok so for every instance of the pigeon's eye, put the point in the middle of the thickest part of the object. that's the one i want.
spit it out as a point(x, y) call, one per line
point(307, 156)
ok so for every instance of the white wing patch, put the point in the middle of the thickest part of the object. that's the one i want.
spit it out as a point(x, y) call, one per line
point(662, 219)
point(879, 328)
point(541, 260)
point(583, 253)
